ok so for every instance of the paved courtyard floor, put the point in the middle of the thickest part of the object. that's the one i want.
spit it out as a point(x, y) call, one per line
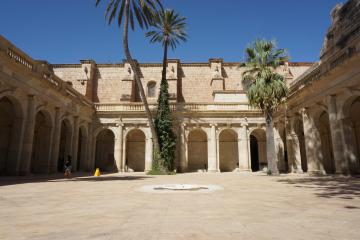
point(250, 206)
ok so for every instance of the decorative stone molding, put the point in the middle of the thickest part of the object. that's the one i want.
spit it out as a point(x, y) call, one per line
point(172, 69)
point(128, 72)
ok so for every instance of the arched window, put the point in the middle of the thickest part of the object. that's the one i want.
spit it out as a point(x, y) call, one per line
point(151, 89)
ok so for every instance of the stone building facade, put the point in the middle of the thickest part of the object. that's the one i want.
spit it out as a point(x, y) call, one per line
point(93, 112)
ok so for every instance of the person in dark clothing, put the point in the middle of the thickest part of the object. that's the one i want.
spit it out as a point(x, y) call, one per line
point(67, 167)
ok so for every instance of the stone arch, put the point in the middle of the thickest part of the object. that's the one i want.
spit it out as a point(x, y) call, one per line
point(11, 122)
point(135, 150)
point(40, 156)
point(82, 149)
point(327, 156)
point(197, 150)
point(228, 150)
point(65, 144)
point(258, 149)
point(104, 151)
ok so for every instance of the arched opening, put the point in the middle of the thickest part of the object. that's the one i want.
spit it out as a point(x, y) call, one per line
point(151, 89)
point(104, 153)
point(258, 150)
point(82, 148)
point(40, 157)
point(65, 143)
point(135, 151)
point(197, 150)
point(228, 150)
point(326, 143)
point(355, 120)
point(10, 131)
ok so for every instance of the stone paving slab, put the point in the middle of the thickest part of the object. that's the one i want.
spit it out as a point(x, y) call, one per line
point(250, 206)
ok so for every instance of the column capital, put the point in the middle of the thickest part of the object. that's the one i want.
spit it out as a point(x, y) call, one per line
point(244, 124)
point(213, 124)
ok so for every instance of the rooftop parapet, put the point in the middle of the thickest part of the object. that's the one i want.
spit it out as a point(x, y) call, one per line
point(41, 69)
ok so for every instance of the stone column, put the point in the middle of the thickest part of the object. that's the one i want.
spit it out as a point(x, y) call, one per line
point(28, 136)
point(212, 152)
point(119, 147)
point(337, 138)
point(312, 143)
point(90, 157)
point(56, 142)
point(124, 163)
point(183, 155)
point(148, 154)
point(75, 143)
point(243, 148)
point(349, 148)
point(279, 148)
point(293, 147)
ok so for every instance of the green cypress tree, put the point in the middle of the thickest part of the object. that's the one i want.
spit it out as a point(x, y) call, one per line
point(170, 30)
point(164, 128)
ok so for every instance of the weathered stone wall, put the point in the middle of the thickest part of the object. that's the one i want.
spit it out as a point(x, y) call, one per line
point(194, 82)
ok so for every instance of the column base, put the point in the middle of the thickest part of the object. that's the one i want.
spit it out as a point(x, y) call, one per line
point(316, 172)
point(212, 171)
point(244, 170)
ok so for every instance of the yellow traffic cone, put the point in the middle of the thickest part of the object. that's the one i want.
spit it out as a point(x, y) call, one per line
point(97, 172)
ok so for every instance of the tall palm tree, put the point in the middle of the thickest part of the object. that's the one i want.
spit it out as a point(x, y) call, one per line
point(169, 30)
point(266, 89)
point(126, 11)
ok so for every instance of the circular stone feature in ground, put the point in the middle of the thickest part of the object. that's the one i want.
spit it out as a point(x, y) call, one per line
point(167, 188)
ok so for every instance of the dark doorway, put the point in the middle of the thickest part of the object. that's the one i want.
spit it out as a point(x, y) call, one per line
point(254, 154)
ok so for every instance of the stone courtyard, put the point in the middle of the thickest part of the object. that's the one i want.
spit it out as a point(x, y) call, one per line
point(250, 206)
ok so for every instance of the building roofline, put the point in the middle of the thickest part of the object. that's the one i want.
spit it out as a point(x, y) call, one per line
point(184, 64)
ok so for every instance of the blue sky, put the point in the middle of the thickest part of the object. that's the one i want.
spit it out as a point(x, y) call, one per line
point(69, 30)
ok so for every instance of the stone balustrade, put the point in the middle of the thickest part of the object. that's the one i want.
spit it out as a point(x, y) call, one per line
point(196, 107)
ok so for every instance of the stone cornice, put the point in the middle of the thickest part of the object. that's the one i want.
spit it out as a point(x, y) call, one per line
point(190, 64)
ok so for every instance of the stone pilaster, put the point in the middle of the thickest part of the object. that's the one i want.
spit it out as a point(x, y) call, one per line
point(75, 143)
point(183, 144)
point(56, 142)
point(337, 138)
point(279, 149)
point(28, 136)
point(148, 154)
point(90, 149)
point(119, 148)
point(243, 148)
point(212, 150)
point(312, 144)
point(293, 147)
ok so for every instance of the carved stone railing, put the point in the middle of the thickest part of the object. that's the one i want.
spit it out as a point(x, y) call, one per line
point(184, 107)
point(39, 69)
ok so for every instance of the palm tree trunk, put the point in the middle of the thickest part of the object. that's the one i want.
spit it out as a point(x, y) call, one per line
point(270, 144)
point(163, 76)
point(137, 78)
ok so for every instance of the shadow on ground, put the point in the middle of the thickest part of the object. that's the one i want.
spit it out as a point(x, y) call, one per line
point(329, 186)
point(81, 177)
